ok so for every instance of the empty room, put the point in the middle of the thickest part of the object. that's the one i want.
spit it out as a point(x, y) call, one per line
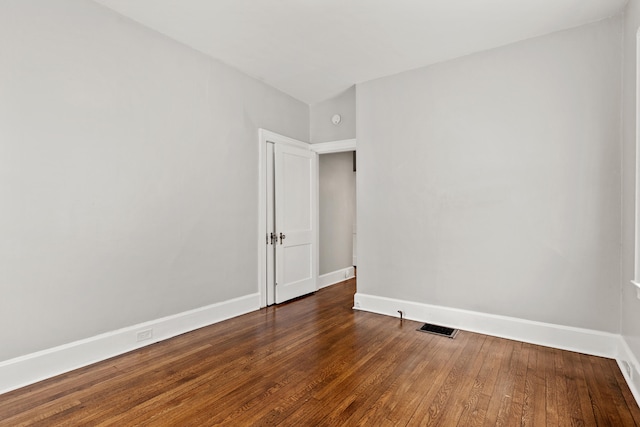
point(319, 212)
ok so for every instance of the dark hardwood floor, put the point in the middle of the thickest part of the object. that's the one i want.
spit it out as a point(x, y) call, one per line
point(316, 362)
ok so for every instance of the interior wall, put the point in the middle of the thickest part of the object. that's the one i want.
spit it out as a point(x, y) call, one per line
point(630, 313)
point(128, 174)
point(337, 211)
point(495, 181)
point(321, 127)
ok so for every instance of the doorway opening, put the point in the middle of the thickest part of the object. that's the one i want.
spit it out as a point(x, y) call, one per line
point(337, 217)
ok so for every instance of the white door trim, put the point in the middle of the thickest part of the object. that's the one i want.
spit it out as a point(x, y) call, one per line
point(334, 146)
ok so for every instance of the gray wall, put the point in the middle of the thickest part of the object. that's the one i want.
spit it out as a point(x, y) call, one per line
point(337, 211)
point(495, 181)
point(630, 324)
point(322, 130)
point(128, 168)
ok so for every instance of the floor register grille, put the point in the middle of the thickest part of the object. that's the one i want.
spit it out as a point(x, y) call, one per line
point(439, 330)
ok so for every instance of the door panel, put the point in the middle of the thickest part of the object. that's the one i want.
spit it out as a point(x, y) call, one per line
point(295, 221)
point(296, 265)
point(295, 189)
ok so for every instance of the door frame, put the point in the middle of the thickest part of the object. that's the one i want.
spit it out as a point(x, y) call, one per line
point(335, 146)
point(265, 136)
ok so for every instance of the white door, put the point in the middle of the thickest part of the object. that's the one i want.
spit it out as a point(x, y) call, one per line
point(295, 210)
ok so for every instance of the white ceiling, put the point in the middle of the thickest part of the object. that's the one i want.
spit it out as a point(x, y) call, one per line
point(315, 49)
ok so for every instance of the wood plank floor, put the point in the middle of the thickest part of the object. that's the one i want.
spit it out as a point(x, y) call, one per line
point(316, 362)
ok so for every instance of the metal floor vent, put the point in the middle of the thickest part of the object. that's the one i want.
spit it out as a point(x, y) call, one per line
point(439, 330)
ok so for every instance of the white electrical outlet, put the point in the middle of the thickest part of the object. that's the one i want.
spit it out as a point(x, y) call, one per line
point(627, 368)
point(147, 334)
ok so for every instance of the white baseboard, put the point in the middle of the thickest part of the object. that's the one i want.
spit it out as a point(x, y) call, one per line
point(627, 360)
point(335, 277)
point(34, 367)
point(586, 341)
